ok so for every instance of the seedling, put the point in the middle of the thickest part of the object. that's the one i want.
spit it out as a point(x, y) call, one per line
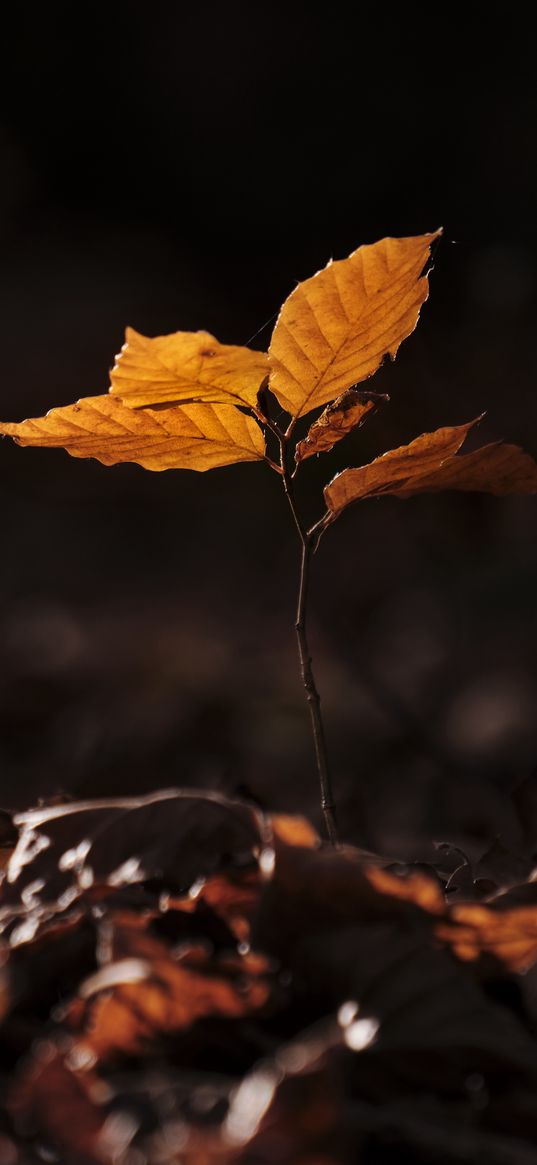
point(185, 401)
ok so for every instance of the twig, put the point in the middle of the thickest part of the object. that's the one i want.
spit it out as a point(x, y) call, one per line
point(328, 805)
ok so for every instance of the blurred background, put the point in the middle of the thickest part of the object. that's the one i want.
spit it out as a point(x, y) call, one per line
point(172, 166)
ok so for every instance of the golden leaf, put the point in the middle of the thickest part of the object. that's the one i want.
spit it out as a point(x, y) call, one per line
point(184, 367)
point(190, 436)
point(430, 463)
point(335, 329)
point(339, 418)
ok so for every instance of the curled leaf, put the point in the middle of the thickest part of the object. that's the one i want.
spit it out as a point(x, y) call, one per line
point(186, 367)
point(430, 463)
point(394, 470)
point(339, 418)
point(496, 469)
point(335, 329)
point(189, 436)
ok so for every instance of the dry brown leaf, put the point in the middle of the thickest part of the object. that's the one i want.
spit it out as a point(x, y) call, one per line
point(430, 463)
point(496, 469)
point(339, 418)
point(510, 936)
point(53, 1099)
point(292, 830)
point(190, 436)
point(161, 993)
point(394, 470)
point(233, 898)
point(415, 887)
point(335, 329)
point(185, 367)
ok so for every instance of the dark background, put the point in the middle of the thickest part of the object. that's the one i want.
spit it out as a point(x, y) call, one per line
point(172, 168)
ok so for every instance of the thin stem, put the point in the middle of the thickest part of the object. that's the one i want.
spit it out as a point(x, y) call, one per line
point(328, 805)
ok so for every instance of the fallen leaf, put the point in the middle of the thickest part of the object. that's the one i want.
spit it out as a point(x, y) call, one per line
point(186, 367)
point(476, 929)
point(53, 1100)
point(297, 831)
point(316, 889)
point(339, 418)
point(189, 436)
point(145, 991)
point(335, 329)
point(174, 837)
point(232, 899)
point(291, 1109)
point(416, 888)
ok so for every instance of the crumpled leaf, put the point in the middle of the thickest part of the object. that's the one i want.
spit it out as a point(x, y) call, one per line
point(186, 367)
point(335, 329)
point(507, 933)
point(191, 436)
point(63, 1105)
point(339, 418)
point(144, 991)
point(173, 837)
point(430, 463)
point(235, 991)
point(289, 1108)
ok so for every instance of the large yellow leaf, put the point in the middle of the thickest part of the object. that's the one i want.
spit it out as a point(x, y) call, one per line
point(183, 367)
point(337, 419)
point(335, 329)
point(430, 463)
point(190, 436)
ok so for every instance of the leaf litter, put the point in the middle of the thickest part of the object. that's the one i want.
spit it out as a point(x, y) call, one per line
point(186, 979)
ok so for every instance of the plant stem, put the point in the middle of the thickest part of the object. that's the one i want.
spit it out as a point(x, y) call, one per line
point(328, 805)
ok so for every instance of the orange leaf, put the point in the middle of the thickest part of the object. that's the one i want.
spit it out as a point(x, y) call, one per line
point(145, 992)
point(509, 935)
point(190, 436)
point(394, 470)
point(185, 367)
point(55, 1099)
point(497, 469)
point(335, 329)
point(430, 463)
point(417, 888)
point(339, 418)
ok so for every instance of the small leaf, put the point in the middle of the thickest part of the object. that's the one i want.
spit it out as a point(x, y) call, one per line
point(335, 329)
point(396, 469)
point(184, 367)
point(190, 436)
point(430, 463)
point(339, 418)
